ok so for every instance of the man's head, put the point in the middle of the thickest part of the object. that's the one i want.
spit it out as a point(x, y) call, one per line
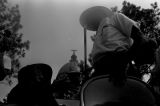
point(91, 18)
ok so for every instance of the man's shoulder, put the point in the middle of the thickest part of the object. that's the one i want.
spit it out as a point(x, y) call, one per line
point(119, 15)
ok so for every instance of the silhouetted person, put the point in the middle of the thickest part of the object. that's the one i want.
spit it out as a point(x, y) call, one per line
point(34, 87)
point(118, 40)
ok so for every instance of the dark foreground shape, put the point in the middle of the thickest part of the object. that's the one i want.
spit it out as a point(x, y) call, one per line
point(34, 87)
point(100, 91)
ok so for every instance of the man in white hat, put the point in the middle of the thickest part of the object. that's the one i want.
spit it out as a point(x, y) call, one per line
point(117, 36)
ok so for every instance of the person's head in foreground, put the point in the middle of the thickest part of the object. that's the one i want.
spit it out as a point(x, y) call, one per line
point(34, 86)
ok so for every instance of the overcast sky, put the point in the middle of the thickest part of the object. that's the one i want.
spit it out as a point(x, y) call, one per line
point(53, 28)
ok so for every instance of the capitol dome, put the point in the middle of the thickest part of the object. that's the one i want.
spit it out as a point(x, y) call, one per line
point(72, 66)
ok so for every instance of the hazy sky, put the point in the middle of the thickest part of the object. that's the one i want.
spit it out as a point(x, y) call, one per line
point(53, 28)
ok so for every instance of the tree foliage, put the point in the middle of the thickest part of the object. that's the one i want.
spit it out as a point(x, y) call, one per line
point(149, 19)
point(11, 42)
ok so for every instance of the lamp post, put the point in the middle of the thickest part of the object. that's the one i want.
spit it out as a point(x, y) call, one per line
point(85, 48)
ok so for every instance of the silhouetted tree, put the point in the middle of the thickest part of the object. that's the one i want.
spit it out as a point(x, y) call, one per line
point(67, 86)
point(10, 36)
point(149, 19)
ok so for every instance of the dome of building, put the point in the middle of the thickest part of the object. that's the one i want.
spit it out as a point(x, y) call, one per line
point(71, 66)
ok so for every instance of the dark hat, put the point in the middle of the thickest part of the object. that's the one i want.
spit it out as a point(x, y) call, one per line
point(35, 73)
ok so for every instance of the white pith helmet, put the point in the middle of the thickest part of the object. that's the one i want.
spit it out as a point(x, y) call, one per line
point(91, 18)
